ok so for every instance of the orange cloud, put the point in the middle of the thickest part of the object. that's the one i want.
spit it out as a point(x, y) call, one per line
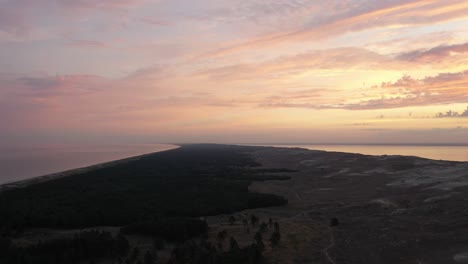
point(445, 88)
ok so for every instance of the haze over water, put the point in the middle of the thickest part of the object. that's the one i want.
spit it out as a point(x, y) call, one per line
point(439, 152)
point(20, 163)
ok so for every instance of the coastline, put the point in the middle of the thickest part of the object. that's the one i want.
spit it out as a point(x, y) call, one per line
point(387, 194)
point(71, 172)
point(433, 152)
point(74, 171)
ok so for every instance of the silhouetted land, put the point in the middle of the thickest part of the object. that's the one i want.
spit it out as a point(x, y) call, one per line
point(158, 195)
point(218, 204)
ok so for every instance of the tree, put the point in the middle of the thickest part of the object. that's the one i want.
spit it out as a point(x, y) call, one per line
point(254, 220)
point(4, 245)
point(277, 227)
point(263, 227)
point(255, 253)
point(334, 221)
point(245, 222)
point(259, 240)
point(135, 254)
point(232, 220)
point(258, 237)
point(275, 238)
point(221, 235)
point(233, 245)
point(149, 258)
point(121, 245)
point(158, 243)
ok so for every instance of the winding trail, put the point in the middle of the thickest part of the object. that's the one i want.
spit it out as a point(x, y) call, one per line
point(332, 236)
point(332, 244)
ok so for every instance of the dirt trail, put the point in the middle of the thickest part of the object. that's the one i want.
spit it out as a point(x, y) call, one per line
point(332, 244)
point(332, 236)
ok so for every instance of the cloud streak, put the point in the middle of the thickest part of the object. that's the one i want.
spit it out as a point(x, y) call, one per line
point(347, 58)
point(21, 17)
point(366, 16)
point(435, 54)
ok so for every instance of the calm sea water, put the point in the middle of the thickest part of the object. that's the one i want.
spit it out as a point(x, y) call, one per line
point(454, 153)
point(23, 163)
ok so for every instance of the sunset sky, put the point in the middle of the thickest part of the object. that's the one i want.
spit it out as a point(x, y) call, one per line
point(258, 71)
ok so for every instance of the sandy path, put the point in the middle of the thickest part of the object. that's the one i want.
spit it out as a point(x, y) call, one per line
point(332, 244)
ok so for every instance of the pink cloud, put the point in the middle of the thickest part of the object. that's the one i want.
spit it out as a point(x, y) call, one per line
point(20, 17)
point(354, 18)
point(154, 21)
point(435, 54)
point(92, 4)
point(87, 44)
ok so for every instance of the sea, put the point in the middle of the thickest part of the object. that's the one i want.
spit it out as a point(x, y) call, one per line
point(21, 163)
point(435, 152)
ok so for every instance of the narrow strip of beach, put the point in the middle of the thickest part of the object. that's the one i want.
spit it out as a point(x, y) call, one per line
point(75, 171)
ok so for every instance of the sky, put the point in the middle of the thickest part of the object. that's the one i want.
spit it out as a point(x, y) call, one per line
point(233, 71)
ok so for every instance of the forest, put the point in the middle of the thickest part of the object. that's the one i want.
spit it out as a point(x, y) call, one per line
point(160, 195)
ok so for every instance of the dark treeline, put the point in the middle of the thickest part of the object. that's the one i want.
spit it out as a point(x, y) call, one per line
point(87, 245)
point(170, 229)
point(204, 252)
point(190, 181)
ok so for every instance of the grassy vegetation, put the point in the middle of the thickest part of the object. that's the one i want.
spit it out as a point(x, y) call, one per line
point(153, 195)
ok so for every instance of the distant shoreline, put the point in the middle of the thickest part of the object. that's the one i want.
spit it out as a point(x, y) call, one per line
point(457, 153)
point(362, 144)
point(66, 173)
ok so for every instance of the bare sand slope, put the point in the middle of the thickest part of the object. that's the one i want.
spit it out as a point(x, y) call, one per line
point(391, 209)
